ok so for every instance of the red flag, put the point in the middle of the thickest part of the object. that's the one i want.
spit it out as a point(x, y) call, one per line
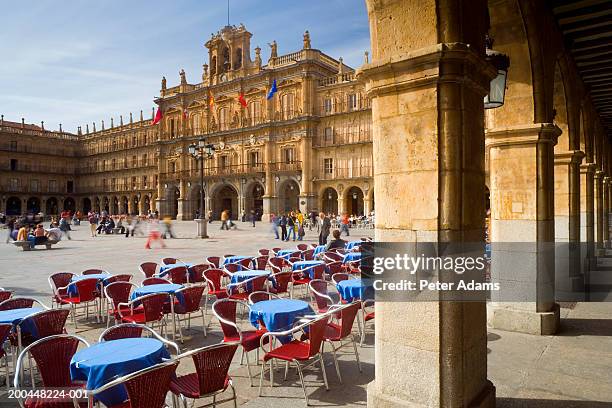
point(242, 101)
point(185, 113)
point(158, 116)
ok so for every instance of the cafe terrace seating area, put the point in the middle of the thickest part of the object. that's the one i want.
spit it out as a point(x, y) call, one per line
point(281, 313)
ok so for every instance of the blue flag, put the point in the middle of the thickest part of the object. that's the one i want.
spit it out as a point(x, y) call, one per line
point(272, 90)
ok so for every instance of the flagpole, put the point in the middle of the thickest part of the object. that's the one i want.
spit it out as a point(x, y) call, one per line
point(228, 8)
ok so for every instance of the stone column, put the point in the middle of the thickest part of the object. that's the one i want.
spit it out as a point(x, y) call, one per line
point(367, 204)
point(522, 214)
point(269, 197)
point(607, 182)
point(587, 214)
point(307, 196)
point(598, 201)
point(182, 213)
point(568, 277)
point(427, 87)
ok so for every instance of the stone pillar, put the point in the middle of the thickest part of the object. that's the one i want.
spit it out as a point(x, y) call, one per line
point(427, 87)
point(522, 214)
point(598, 201)
point(587, 214)
point(568, 275)
point(605, 189)
point(269, 197)
point(183, 205)
point(341, 203)
point(307, 198)
point(367, 204)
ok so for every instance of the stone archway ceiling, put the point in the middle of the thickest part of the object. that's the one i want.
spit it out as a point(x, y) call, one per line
point(587, 29)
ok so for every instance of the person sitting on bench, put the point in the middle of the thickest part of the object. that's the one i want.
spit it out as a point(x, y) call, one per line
point(39, 235)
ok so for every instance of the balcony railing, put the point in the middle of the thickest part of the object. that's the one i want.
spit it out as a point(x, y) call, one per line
point(38, 132)
point(37, 168)
point(345, 107)
point(345, 173)
point(334, 139)
point(227, 170)
point(8, 188)
point(285, 166)
point(117, 187)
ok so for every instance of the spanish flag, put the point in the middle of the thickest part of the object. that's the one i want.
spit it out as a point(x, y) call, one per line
point(241, 99)
point(158, 116)
point(211, 100)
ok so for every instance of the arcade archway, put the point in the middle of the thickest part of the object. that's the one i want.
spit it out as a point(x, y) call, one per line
point(329, 201)
point(69, 204)
point(226, 198)
point(254, 199)
point(51, 206)
point(124, 205)
point(33, 205)
point(13, 206)
point(354, 203)
point(289, 196)
point(86, 205)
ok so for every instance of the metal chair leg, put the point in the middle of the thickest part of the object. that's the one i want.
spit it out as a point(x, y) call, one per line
point(203, 323)
point(302, 381)
point(324, 373)
point(335, 361)
point(356, 353)
point(261, 376)
point(246, 354)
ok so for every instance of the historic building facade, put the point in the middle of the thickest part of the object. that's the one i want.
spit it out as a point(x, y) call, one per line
point(307, 147)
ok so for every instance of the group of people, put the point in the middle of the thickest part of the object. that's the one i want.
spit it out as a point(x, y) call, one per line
point(30, 228)
point(291, 226)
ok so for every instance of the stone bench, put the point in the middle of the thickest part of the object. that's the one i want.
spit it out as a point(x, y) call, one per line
point(25, 245)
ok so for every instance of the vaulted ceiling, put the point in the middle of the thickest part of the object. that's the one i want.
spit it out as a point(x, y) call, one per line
point(587, 28)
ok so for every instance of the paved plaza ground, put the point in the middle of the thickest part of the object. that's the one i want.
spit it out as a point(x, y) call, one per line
point(572, 369)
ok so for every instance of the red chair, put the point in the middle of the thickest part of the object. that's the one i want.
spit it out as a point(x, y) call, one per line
point(20, 303)
point(47, 323)
point(264, 252)
point(196, 273)
point(232, 268)
point(215, 287)
point(225, 311)
point(301, 277)
point(302, 247)
point(178, 275)
point(133, 330)
point(148, 269)
point(260, 296)
point(155, 281)
point(330, 256)
point(145, 309)
point(93, 272)
point(211, 378)
point(5, 331)
point(214, 261)
point(118, 278)
point(308, 255)
point(334, 268)
point(338, 277)
point(59, 280)
point(116, 293)
point(261, 262)
point(297, 351)
point(5, 294)
point(228, 255)
point(146, 388)
point(295, 257)
point(52, 356)
point(337, 333)
point(280, 283)
point(320, 295)
point(353, 267)
point(87, 292)
point(246, 263)
point(313, 245)
point(241, 290)
point(366, 316)
point(277, 264)
point(191, 298)
point(171, 261)
point(275, 251)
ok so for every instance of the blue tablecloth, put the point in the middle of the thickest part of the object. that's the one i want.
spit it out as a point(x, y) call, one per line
point(307, 264)
point(351, 256)
point(353, 289)
point(319, 250)
point(279, 314)
point(163, 269)
point(103, 362)
point(72, 287)
point(235, 259)
point(352, 244)
point(284, 253)
point(244, 275)
point(15, 316)
point(159, 288)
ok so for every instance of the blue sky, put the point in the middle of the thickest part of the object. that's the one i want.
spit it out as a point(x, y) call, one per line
point(79, 61)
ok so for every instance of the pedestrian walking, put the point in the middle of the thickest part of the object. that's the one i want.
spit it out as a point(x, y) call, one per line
point(154, 234)
point(253, 216)
point(283, 225)
point(93, 223)
point(275, 221)
point(224, 220)
point(325, 228)
point(344, 224)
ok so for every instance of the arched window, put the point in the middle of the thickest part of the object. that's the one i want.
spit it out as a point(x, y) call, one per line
point(287, 106)
point(238, 59)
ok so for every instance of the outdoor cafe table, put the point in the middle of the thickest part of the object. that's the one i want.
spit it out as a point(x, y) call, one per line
point(307, 264)
point(170, 289)
point(163, 269)
point(15, 316)
point(352, 244)
point(319, 250)
point(106, 361)
point(284, 253)
point(354, 289)
point(72, 287)
point(278, 315)
point(235, 259)
point(351, 256)
point(241, 276)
